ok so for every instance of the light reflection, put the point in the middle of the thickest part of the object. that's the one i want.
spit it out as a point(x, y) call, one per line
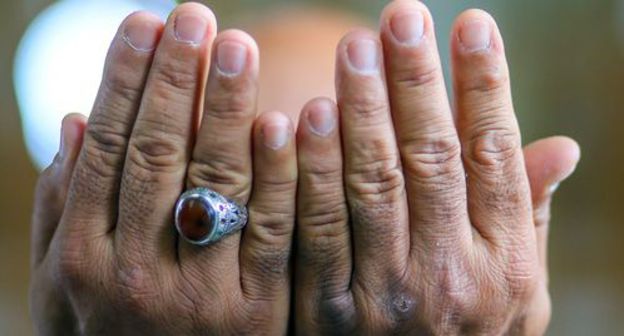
point(59, 62)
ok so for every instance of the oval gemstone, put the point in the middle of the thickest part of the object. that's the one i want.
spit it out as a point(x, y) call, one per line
point(194, 221)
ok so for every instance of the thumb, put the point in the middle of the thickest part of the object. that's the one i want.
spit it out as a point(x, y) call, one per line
point(548, 163)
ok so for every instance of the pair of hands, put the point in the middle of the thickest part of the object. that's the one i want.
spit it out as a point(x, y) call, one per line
point(409, 219)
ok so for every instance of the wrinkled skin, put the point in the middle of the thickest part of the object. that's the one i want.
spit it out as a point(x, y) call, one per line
point(409, 220)
point(422, 222)
point(107, 260)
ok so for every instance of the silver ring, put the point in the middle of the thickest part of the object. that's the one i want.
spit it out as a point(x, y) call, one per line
point(203, 216)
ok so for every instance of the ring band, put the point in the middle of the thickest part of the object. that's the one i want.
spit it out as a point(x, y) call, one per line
point(203, 216)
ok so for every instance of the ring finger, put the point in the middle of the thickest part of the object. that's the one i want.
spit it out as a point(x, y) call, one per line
point(222, 155)
point(373, 177)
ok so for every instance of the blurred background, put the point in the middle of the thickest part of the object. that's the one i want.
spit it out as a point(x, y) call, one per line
point(567, 64)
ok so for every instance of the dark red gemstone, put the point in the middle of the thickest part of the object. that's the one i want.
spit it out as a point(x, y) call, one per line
point(194, 221)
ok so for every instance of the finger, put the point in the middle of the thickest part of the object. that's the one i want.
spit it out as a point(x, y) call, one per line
point(548, 163)
point(373, 176)
point(323, 258)
point(499, 196)
point(94, 189)
point(159, 148)
point(266, 243)
point(51, 190)
point(222, 155)
point(430, 148)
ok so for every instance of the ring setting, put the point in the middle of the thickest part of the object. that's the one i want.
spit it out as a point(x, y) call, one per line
point(204, 217)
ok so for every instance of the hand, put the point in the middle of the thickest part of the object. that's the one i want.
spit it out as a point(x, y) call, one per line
point(422, 223)
point(106, 259)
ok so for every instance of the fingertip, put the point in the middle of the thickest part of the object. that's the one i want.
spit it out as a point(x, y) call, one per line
point(570, 149)
point(319, 118)
point(475, 31)
point(72, 133)
point(274, 130)
point(406, 22)
point(192, 24)
point(239, 36)
point(356, 33)
point(236, 52)
point(548, 163)
point(399, 6)
point(359, 53)
point(553, 159)
point(199, 9)
point(141, 31)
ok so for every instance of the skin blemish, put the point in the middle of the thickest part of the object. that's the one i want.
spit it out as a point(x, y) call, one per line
point(403, 307)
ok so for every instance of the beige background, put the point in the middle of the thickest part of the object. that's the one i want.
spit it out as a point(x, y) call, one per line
point(567, 61)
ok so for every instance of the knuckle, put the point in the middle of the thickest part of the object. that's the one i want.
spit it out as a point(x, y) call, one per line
point(70, 271)
point(228, 105)
point(369, 109)
point(493, 146)
point(155, 152)
point(104, 150)
point(326, 235)
point(108, 135)
point(281, 186)
point(221, 172)
point(320, 185)
point(380, 180)
point(324, 217)
point(174, 75)
point(320, 171)
point(271, 224)
point(455, 289)
point(319, 177)
point(137, 291)
point(119, 87)
point(72, 266)
point(434, 158)
point(418, 77)
point(336, 314)
point(491, 80)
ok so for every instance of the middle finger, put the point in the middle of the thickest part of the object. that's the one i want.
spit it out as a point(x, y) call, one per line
point(158, 151)
point(430, 148)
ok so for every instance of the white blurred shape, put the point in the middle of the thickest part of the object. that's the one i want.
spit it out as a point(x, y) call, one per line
point(59, 63)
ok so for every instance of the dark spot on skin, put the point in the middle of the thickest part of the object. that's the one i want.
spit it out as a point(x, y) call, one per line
point(403, 307)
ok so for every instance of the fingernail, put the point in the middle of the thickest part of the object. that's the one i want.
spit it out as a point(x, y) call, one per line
point(190, 28)
point(63, 143)
point(475, 35)
point(231, 58)
point(68, 134)
point(553, 188)
point(141, 36)
point(276, 133)
point(363, 55)
point(322, 119)
point(408, 28)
